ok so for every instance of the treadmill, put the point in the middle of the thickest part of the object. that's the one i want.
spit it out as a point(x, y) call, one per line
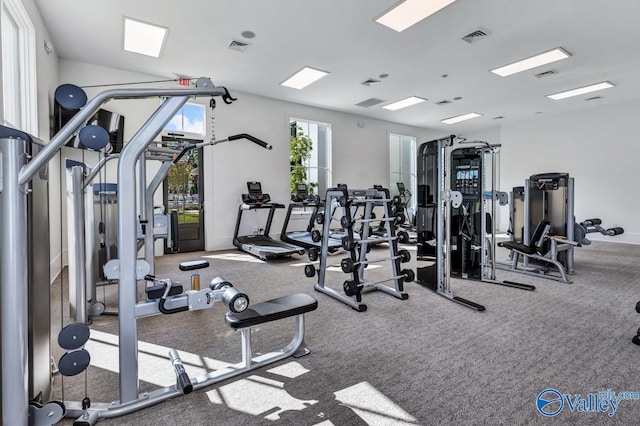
point(409, 226)
point(301, 200)
point(261, 245)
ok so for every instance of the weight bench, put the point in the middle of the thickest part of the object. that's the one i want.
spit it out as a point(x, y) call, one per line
point(295, 305)
point(536, 250)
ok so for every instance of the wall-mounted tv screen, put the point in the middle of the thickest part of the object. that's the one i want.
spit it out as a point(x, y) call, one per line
point(110, 121)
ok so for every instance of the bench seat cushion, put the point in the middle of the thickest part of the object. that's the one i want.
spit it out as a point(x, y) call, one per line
point(272, 310)
point(512, 245)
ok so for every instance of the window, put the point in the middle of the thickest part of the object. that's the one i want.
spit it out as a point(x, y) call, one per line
point(402, 166)
point(310, 155)
point(190, 119)
point(18, 67)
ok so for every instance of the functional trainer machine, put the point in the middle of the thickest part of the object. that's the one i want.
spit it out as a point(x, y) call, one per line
point(21, 164)
point(435, 203)
point(473, 222)
point(261, 245)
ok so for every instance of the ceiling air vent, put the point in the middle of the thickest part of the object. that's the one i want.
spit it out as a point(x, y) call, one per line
point(477, 35)
point(370, 81)
point(593, 98)
point(370, 102)
point(546, 73)
point(239, 46)
point(443, 102)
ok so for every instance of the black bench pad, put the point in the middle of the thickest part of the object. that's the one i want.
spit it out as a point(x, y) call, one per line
point(193, 264)
point(512, 245)
point(272, 310)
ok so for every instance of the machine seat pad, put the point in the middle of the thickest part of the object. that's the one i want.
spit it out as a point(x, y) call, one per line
point(193, 264)
point(272, 310)
point(512, 245)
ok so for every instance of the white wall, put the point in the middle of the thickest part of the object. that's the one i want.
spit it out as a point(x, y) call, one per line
point(360, 154)
point(359, 158)
point(598, 147)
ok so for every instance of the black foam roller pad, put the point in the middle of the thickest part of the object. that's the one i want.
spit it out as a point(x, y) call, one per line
point(94, 137)
point(70, 97)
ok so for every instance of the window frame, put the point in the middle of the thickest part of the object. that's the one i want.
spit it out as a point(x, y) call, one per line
point(327, 169)
point(26, 61)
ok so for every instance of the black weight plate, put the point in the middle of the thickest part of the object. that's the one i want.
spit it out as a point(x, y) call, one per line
point(74, 362)
point(70, 97)
point(94, 137)
point(73, 336)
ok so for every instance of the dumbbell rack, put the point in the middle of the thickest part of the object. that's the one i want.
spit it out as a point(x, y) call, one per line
point(357, 248)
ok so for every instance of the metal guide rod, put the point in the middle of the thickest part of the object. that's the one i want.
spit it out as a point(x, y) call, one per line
point(76, 249)
point(14, 284)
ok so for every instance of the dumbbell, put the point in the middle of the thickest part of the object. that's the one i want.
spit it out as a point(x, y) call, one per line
point(348, 265)
point(352, 288)
point(309, 271)
point(313, 253)
point(348, 243)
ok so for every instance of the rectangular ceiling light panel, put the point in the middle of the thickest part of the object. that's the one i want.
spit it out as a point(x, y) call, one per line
point(404, 103)
point(460, 118)
point(532, 62)
point(303, 78)
point(581, 91)
point(143, 38)
point(410, 12)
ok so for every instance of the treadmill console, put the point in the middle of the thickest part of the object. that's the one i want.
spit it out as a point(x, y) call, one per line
point(255, 195)
point(302, 193)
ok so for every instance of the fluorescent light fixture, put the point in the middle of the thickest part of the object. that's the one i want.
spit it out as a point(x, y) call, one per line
point(412, 100)
point(532, 62)
point(143, 38)
point(303, 78)
point(410, 12)
point(460, 118)
point(580, 91)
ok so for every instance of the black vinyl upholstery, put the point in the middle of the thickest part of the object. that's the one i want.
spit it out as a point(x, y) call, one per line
point(272, 310)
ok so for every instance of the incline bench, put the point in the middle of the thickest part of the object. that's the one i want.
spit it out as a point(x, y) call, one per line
point(534, 250)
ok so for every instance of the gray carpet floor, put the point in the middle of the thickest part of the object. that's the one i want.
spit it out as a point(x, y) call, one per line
point(421, 361)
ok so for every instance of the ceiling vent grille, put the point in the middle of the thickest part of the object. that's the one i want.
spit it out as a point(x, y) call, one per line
point(444, 102)
point(370, 102)
point(548, 73)
point(370, 81)
point(475, 36)
point(239, 46)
